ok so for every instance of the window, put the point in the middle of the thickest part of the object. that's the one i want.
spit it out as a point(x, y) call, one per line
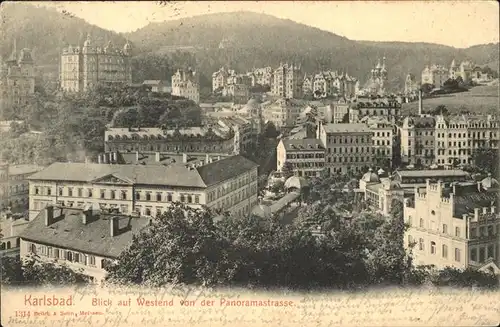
point(137, 195)
point(445, 229)
point(473, 232)
point(457, 255)
point(421, 244)
point(70, 191)
point(69, 256)
point(56, 253)
point(182, 198)
point(433, 247)
point(92, 260)
point(482, 254)
point(89, 192)
point(196, 199)
point(457, 231)
point(158, 197)
point(189, 199)
point(409, 220)
point(445, 251)
point(113, 195)
point(80, 192)
point(77, 257)
point(103, 194)
point(148, 196)
point(410, 240)
point(473, 254)
point(421, 223)
point(37, 190)
point(33, 248)
point(49, 191)
point(124, 195)
point(169, 197)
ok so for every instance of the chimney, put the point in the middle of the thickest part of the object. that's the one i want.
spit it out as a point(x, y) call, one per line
point(99, 159)
point(420, 109)
point(476, 214)
point(113, 226)
point(157, 156)
point(49, 215)
point(137, 155)
point(87, 214)
point(184, 158)
point(485, 210)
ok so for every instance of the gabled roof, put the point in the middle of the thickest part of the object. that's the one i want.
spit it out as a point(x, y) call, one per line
point(68, 231)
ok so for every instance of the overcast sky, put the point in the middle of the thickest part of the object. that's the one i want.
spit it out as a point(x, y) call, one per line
point(456, 23)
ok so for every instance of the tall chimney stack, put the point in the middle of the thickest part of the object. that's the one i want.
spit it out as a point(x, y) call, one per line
point(420, 105)
point(49, 215)
point(113, 226)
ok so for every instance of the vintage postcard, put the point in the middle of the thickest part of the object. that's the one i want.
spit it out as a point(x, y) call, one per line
point(227, 163)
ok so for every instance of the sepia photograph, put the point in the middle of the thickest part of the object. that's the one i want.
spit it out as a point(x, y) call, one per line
point(249, 163)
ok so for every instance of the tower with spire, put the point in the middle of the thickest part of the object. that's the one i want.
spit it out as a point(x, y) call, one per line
point(82, 68)
point(377, 82)
point(17, 79)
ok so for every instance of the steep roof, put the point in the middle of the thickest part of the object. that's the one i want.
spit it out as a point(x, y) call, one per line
point(68, 231)
point(173, 175)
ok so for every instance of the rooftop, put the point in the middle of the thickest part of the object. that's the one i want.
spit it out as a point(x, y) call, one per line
point(177, 175)
point(24, 169)
point(432, 173)
point(68, 231)
point(302, 144)
point(165, 158)
point(346, 128)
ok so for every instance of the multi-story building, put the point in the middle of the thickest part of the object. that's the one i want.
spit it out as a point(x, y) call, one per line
point(340, 110)
point(411, 84)
point(229, 184)
point(348, 147)
point(92, 238)
point(282, 112)
point(262, 76)
point(384, 107)
point(454, 225)
point(209, 139)
point(329, 83)
point(240, 93)
point(306, 156)
point(17, 79)
point(158, 86)
point(84, 67)
point(219, 79)
point(19, 185)
point(447, 140)
point(383, 140)
point(287, 81)
point(464, 70)
point(245, 137)
point(435, 75)
point(377, 83)
point(186, 84)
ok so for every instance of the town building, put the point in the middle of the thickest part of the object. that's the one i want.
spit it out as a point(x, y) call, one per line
point(261, 76)
point(306, 156)
point(465, 71)
point(282, 112)
point(82, 68)
point(390, 108)
point(11, 226)
point(447, 140)
point(240, 93)
point(330, 83)
point(229, 184)
point(158, 86)
point(411, 85)
point(435, 75)
point(219, 79)
point(348, 147)
point(377, 83)
point(380, 190)
point(17, 79)
point(454, 224)
point(14, 186)
point(88, 239)
point(207, 139)
point(383, 140)
point(185, 83)
point(340, 111)
point(287, 81)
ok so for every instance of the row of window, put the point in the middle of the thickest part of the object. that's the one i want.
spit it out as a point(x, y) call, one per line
point(56, 253)
point(456, 135)
point(346, 140)
point(444, 228)
point(305, 156)
point(349, 159)
point(433, 248)
point(296, 165)
point(488, 230)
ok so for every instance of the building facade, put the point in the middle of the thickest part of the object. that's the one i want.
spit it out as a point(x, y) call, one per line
point(240, 93)
point(282, 112)
point(411, 85)
point(17, 79)
point(306, 156)
point(348, 147)
point(435, 75)
point(453, 225)
point(287, 81)
point(215, 139)
point(229, 184)
point(383, 140)
point(377, 83)
point(388, 108)
point(82, 68)
point(330, 83)
point(186, 84)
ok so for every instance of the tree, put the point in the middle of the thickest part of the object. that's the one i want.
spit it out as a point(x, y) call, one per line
point(287, 169)
point(277, 186)
point(486, 160)
point(34, 272)
point(426, 88)
point(270, 130)
point(345, 119)
point(441, 110)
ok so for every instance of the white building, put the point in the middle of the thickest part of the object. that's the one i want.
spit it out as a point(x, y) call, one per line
point(186, 84)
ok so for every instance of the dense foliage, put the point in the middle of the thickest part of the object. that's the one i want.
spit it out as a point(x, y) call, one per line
point(486, 160)
point(35, 272)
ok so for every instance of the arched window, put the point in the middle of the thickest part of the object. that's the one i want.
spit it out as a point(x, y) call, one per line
point(169, 197)
point(2, 247)
point(421, 223)
point(69, 256)
point(33, 248)
point(190, 199)
point(8, 245)
point(421, 244)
